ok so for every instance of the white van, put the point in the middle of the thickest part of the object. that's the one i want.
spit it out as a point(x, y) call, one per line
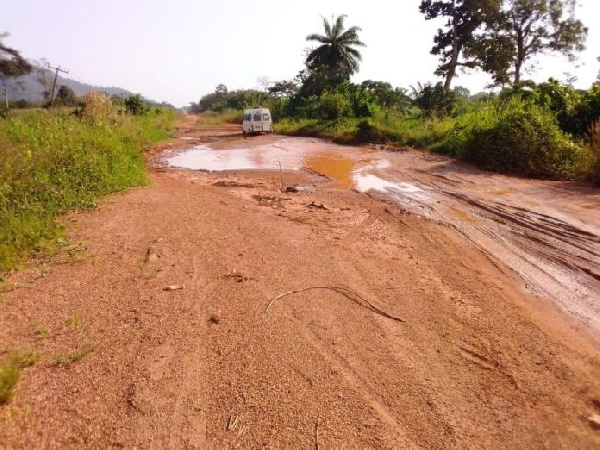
point(257, 120)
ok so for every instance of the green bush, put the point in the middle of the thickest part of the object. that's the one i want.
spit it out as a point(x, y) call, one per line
point(332, 105)
point(369, 130)
point(520, 138)
point(588, 110)
point(136, 105)
point(594, 136)
point(434, 100)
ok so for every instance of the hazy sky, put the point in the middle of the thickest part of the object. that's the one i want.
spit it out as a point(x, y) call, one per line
point(178, 50)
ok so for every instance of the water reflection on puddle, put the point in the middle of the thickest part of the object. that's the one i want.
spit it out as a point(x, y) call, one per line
point(337, 168)
point(365, 182)
point(202, 157)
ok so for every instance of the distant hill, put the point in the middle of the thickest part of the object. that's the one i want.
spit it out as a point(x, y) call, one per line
point(31, 87)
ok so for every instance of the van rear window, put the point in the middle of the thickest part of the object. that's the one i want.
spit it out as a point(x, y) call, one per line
point(257, 117)
point(265, 116)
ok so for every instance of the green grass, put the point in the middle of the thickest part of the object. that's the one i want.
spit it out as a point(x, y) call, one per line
point(221, 118)
point(64, 360)
point(53, 162)
point(387, 130)
point(341, 130)
point(10, 373)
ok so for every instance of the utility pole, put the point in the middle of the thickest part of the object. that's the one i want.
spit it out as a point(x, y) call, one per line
point(57, 69)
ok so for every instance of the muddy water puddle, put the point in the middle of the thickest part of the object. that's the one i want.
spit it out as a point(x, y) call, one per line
point(348, 168)
point(203, 157)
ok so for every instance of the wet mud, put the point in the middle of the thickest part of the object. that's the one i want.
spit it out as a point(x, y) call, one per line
point(546, 232)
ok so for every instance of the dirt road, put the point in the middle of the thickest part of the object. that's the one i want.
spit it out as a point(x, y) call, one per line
point(469, 318)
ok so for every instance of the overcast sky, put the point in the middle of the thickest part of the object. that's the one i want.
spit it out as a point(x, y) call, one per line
point(178, 50)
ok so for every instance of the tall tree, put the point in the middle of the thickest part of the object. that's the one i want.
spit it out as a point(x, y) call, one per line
point(12, 64)
point(453, 43)
point(531, 28)
point(337, 51)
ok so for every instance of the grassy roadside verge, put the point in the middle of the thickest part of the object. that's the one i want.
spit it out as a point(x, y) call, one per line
point(406, 132)
point(229, 116)
point(54, 161)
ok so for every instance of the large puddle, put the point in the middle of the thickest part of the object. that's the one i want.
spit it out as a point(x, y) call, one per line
point(348, 169)
point(203, 157)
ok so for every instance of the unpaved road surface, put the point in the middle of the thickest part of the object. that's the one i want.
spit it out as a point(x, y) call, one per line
point(152, 328)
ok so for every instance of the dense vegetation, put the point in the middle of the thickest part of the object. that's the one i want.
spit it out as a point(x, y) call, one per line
point(546, 130)
point(56, 160)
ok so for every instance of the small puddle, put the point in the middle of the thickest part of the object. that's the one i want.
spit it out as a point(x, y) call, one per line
point(337, 168)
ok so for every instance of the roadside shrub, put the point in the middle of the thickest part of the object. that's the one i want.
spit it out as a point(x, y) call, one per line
point(135, 105)
point(433, 100)
point(588, 110)
point(333, 105)
point(97, 108)
point(370, 131)
point(485, 116)
point(522, 139)
point(222, 118)
point(563, 102)
point(594, 135)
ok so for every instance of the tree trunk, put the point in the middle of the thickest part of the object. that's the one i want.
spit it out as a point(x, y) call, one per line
point(517, 76)
point(451, 70)
point(520, 57)
point(455, 52)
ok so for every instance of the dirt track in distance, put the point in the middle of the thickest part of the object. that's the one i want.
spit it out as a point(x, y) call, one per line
point(488, 351)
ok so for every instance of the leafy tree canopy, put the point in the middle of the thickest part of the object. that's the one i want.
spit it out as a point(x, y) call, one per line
point(529, 28)
point(12, 64)
point(284, 88)
point(453, 43)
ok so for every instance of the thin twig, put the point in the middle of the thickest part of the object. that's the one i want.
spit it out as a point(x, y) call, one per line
point(317, 432)
point(346, 292)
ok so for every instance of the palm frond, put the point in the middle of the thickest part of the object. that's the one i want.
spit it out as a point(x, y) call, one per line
point(318, 38)
point(327, 27)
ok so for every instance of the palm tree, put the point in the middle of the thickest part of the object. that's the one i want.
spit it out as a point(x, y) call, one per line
point(336, 52)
